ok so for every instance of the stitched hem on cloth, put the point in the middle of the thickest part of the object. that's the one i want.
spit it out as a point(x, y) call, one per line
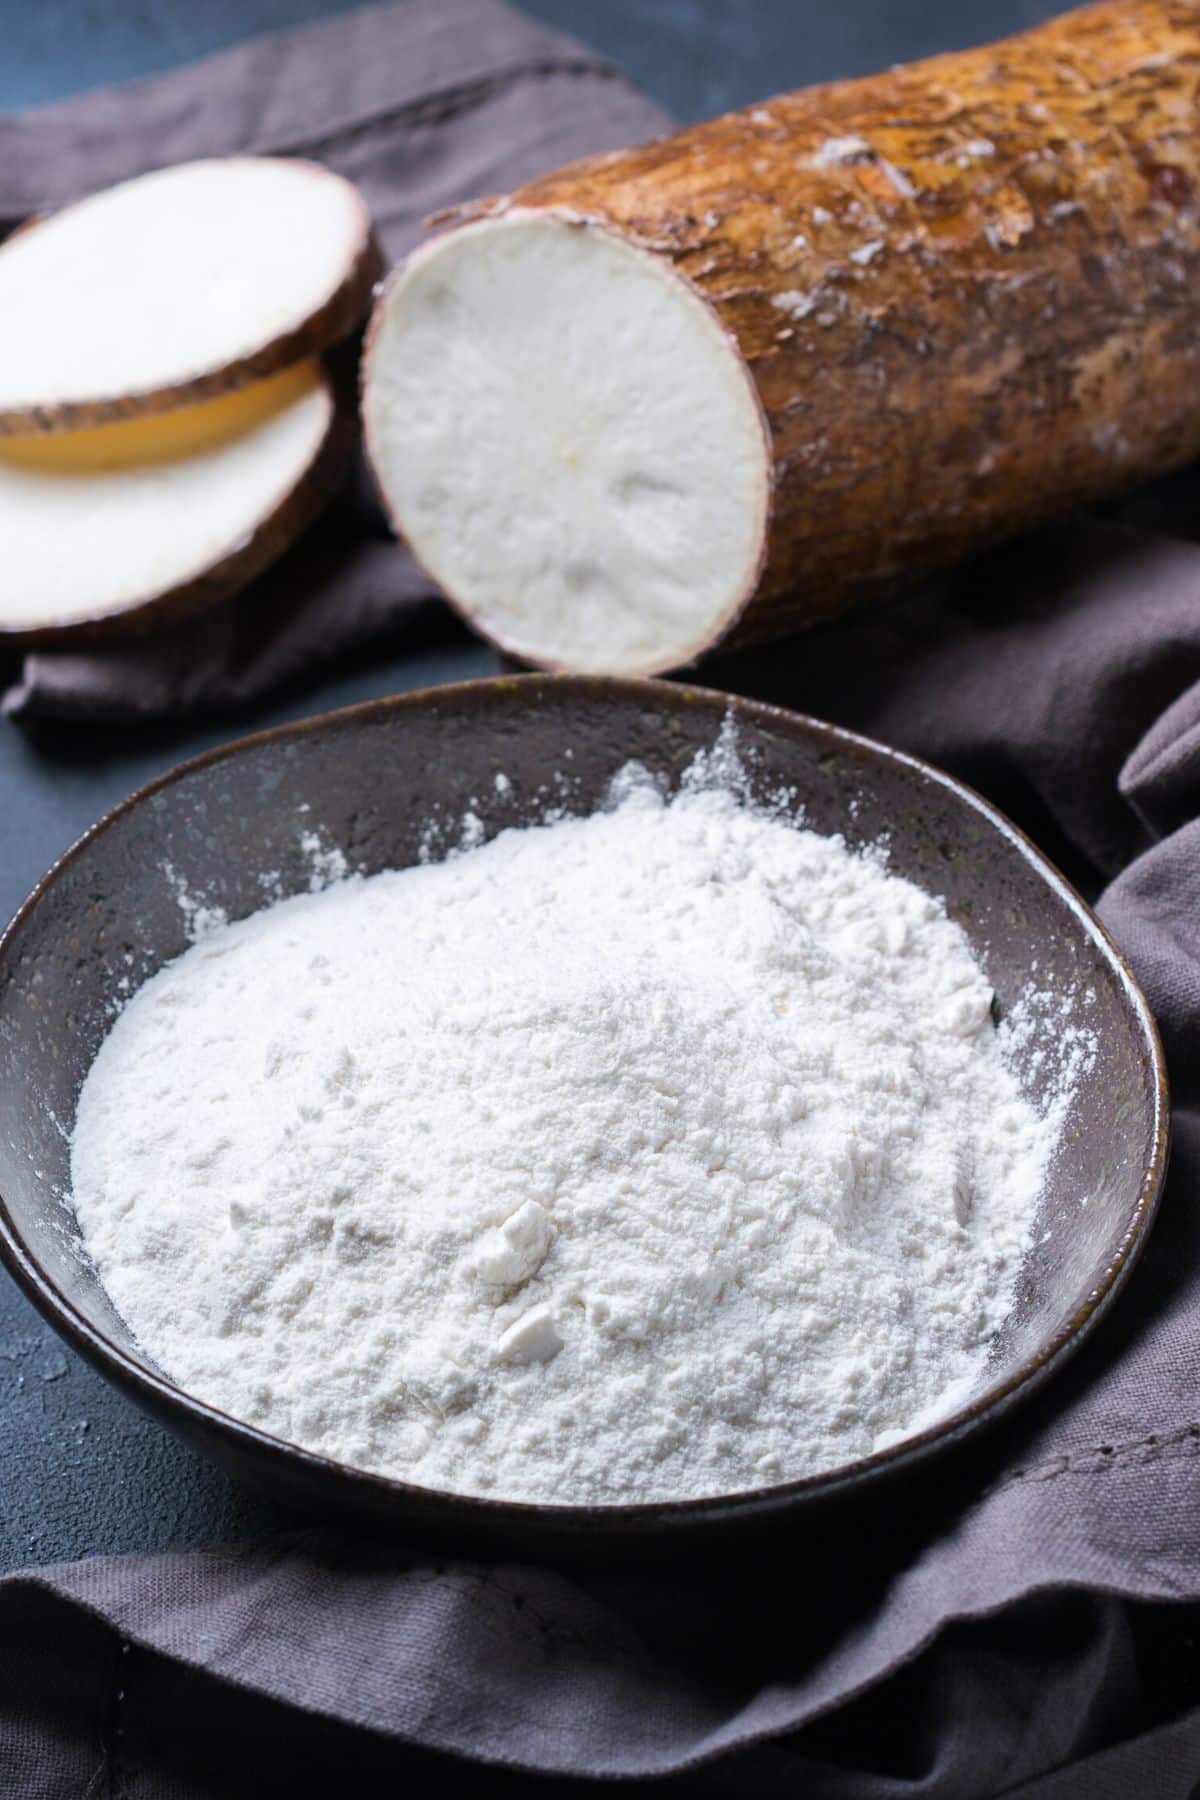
point(450, 103)
point(1156, 1446)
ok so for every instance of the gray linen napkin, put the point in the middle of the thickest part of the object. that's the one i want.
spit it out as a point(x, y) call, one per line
point(976, 1629)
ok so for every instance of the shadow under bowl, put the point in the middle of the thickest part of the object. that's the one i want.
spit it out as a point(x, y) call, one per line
point(376, 780)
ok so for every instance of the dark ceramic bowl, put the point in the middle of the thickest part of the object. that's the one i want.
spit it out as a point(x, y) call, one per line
point(371, 778)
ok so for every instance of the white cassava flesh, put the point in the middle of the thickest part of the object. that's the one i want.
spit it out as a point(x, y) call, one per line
point(569, 442)
point(175, 285)
point(96, 524)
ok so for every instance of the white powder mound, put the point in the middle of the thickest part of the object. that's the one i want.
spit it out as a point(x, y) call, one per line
point(658, 1153)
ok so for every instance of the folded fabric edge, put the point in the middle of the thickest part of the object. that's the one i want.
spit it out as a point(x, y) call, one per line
point(710, 1744)
point(410, 54)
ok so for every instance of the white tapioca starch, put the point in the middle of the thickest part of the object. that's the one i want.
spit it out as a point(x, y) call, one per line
point(656, 1153)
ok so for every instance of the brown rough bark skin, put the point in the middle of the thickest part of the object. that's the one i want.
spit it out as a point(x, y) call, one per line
point(342, 313)
point(967, 289)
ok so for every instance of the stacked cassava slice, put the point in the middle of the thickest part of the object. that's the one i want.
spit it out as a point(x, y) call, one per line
point(166, 425)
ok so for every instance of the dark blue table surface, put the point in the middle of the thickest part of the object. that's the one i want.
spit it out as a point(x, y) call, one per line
point(80, 1470)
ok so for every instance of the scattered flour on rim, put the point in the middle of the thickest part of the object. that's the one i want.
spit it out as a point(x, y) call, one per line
point(657, 1153)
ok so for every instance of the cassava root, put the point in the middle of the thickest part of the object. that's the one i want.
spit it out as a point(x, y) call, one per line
point(733, 381)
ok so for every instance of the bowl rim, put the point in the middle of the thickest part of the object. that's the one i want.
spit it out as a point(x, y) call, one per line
point(160, 1395)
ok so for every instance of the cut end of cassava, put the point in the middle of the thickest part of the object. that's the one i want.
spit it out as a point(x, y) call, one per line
point(178, 285)
point(127, 526)
point(570, 443)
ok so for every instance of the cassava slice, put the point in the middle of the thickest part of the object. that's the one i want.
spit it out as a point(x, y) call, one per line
point(964, 295)
point(178, 285)
point(126, 526)
point(569, 441)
